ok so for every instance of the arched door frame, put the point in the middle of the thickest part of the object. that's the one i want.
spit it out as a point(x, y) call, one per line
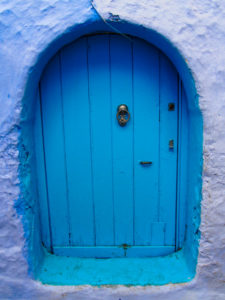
point(194, 150)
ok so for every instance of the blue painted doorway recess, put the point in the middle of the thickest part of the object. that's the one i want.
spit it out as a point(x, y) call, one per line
point(107, 190)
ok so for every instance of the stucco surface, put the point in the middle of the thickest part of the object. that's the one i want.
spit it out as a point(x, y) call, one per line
point(197, 29)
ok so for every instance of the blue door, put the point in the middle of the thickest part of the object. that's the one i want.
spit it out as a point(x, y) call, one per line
point(108, 188)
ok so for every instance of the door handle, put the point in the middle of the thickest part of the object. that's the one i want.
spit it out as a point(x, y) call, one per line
point(123, 115)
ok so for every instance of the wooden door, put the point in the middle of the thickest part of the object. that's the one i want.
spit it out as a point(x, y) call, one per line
point(97, 198)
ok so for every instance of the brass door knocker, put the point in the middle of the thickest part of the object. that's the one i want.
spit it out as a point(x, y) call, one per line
point(123, 115)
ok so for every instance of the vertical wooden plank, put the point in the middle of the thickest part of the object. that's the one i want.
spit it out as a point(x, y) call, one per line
point(146, 140)
point(168, 157)
point(54, 152)
point(41, 178)
point(122, 138)
point(77, 141)
point(182, 167)
point(158, 234)
point(100, 107)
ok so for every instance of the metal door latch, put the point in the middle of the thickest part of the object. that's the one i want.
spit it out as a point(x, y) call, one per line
point(171, 144)
point(145, 163)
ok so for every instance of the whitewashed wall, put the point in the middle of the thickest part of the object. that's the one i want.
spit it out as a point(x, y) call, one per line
point(197, 29)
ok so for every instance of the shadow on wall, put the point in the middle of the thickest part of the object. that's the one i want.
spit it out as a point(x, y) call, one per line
point(174, 268)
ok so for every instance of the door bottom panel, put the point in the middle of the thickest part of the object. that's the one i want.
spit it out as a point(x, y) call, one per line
point(114, 251)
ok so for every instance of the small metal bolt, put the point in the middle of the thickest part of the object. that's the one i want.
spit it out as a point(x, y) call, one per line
point(171, 106)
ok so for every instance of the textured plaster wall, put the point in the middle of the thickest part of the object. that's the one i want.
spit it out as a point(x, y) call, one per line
point(197, 29)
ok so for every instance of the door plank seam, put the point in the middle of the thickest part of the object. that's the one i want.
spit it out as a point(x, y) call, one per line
point(159, 130)
point(91, 143)
point(64, 146)
point(132, 66)
point(110, 87)
point(45, 168)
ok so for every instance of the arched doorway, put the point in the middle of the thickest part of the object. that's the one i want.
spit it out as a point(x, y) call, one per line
point(107, 190)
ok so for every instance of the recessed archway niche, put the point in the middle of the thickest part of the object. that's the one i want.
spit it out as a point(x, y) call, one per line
point(119, 239)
